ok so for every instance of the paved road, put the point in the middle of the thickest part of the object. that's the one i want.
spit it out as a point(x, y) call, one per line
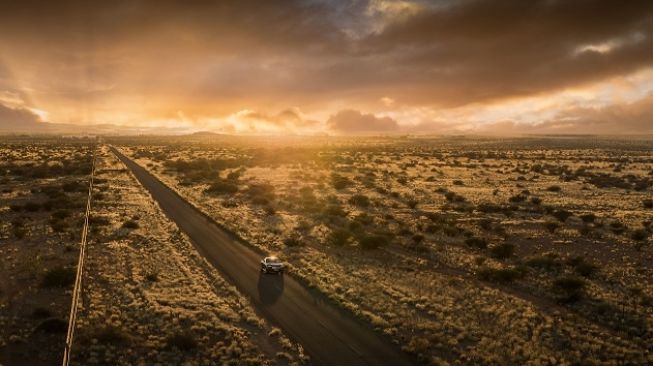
point(328, 335)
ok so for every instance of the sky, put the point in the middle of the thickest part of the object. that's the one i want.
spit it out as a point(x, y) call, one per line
point(316, 67)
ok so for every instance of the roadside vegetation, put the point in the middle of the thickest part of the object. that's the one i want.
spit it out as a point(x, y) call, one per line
point(43, 194)
point(150, 298)
point(443, 244)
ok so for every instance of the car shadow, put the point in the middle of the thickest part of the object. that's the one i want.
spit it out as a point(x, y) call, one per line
point(270, 287)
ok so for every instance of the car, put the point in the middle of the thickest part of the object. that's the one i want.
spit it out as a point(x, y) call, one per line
point(272, 264)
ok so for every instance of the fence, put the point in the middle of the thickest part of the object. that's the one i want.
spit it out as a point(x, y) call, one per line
point(80, 269)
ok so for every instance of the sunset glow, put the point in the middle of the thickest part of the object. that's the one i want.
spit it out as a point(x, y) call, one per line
point(292, 67)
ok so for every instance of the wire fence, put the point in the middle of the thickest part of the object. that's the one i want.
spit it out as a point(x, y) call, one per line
point(80, 269)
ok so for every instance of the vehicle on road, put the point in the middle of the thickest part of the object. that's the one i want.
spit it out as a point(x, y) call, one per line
point(272, 265)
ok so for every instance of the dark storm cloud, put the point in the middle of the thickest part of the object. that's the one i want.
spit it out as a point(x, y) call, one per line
point(354, 122)
point(219, 57)
point(17, 118)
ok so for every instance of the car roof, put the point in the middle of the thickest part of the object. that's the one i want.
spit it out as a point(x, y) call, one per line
point(273, 257)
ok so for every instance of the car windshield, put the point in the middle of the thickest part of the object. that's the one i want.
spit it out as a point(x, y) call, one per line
point(273, 260)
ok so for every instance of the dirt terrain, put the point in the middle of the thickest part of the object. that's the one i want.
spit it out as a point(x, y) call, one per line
point(43, 194)
point(150, 298)
point(445, 243)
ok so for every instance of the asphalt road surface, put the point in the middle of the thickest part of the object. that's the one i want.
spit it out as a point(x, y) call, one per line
point(329, 335)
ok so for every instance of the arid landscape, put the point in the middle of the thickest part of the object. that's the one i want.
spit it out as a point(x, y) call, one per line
point(443, 244)
point(438, 244)
point(326, 182)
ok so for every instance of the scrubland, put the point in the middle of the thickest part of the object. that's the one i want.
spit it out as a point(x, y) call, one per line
point(463, 251)
point(150, 298)
point(43, 195)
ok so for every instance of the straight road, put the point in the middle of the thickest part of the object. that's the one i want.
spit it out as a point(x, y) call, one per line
point(329, 335)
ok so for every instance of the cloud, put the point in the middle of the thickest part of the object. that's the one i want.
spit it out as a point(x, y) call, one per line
point(17, 119)
point(290, 118)
point(143, 60)
point(354, 122)
point(620, 119)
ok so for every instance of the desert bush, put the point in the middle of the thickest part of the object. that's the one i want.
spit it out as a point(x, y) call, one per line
point(554, 189)
point(182, 341)
point(99, 220)
point(53, 326)
point(338, 237)
point(412, 202)
point(61, 214)
point(340, 182)
point(58, 277)
point(41, 313)
point(588, 218)
point(130, 224)
point(454, 197)
point(485, 224)
point(507, 274)
point(292, 241)
point(15, 207)
point(18, 228)
point(536, 200)
point(109, 335)
point(369, 242)
point(562, 215)
point(476, 242)
point(648, 203)
point(222, 187)
point(582, 266)
point(359, 200)
point(547, 261)
point(32, 206)
point(517, 198)
point(568, 288)
point(617, 227)
point(639, 235)
point(503, 250)
point(74, 186)
point(551, 226)
point(58, 226)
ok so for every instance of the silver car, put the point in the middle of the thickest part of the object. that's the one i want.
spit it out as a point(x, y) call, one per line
point(272, 265)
